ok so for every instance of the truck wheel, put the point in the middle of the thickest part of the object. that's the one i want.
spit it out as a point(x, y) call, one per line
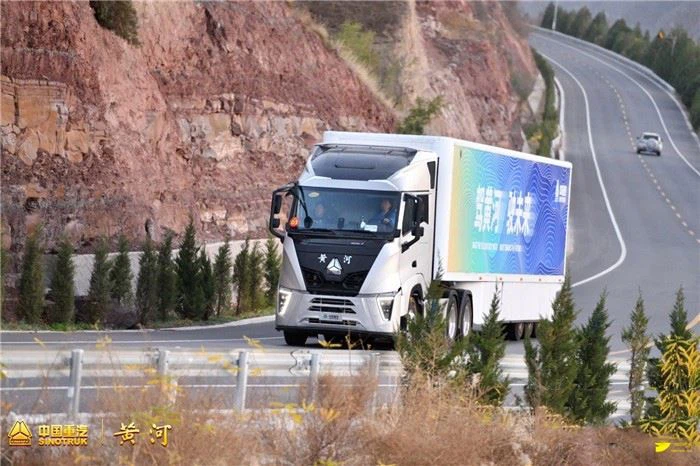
point(658, 153)
point(529, 330)
point(451, 317)
point(465, 317)
point(294, 338)
point(415, 307)
point(516, 330)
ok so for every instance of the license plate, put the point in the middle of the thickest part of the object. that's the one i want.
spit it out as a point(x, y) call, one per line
point(330, 317)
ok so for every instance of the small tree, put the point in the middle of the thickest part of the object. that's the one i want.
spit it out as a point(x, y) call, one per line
point(120, 274)
point(167, 280)
point(31, 282)
point(62, 285)
point(255, 279)
point(208, 285)
point(587, 402)
point(147, 284)
point(241, 279)
point(419, 116)
point(552, 366)
point(273, 263)
point(222, 278)
point(100, 285)
point(679, 322)
point(118, 16)
point(679, 392)
point(486, 350)
point(636, 338)
point(190, 296)
point(548, 16)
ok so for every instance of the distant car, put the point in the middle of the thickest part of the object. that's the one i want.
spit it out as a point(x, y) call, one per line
point(649, 142)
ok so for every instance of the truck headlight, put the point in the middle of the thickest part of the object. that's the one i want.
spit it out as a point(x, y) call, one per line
point(386, 305)
point(283, 298)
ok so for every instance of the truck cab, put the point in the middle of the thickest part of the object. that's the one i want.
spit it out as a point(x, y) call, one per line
point(356, 240)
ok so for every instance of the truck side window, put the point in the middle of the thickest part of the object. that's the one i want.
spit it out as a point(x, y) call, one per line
point(408, 215)
point(423, 209)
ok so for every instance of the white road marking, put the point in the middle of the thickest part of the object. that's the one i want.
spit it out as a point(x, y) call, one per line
point(623, 247)
point(661, 118)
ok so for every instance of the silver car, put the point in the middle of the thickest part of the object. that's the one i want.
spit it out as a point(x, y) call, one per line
point(649, 142)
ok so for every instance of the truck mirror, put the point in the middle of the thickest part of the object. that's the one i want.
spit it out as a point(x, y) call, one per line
point(276, 203)
point(418, 231)
point(275, 223)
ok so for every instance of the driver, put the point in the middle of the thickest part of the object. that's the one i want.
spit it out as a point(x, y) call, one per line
point(386, 217)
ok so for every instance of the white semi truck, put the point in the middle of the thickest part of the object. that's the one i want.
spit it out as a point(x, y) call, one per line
point(374, 218)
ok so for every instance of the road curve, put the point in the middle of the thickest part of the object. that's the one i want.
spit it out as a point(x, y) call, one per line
point(653, 200)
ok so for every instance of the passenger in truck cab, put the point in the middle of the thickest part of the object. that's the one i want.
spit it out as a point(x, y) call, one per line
point(386, 217)
point(321, 217)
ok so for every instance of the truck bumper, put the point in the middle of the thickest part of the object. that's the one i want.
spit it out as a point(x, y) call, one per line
point(314, 314)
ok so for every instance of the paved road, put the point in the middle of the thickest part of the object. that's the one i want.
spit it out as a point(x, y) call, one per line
point(635, 219)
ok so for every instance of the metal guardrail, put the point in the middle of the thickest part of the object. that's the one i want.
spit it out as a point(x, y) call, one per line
point(303, 366)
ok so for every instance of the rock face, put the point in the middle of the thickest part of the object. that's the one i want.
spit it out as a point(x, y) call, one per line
point(213, 110)
point(218, 105)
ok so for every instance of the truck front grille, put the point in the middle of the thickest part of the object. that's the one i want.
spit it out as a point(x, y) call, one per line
point(340, 306)
point(348, 323)
point(350, 285)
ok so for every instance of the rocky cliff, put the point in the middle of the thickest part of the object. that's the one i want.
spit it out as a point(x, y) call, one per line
point(219, 104)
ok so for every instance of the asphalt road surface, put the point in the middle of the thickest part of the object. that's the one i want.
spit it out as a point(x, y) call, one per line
point(635, 219)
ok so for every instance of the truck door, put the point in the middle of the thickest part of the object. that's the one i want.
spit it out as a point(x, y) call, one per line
point(416, 239)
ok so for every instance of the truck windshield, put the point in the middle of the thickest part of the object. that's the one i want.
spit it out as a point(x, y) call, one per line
point(328, 209)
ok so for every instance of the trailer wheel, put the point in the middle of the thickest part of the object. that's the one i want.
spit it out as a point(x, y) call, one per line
point(529, 330)
point(465, 317)
point(516, 330)
point(451, 316)
point(294, 338)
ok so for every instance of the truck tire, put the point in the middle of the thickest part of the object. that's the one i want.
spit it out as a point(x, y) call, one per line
point(294, 338)
point(465, 317)
point(516, 330)
point(452, 316)
point(529, 330)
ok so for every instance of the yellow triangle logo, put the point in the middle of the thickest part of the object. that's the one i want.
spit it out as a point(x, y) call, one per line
point(20, 435)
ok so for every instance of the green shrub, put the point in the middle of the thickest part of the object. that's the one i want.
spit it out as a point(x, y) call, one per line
point(147, 284)
point(118, 16)
point(360, 43)
point(419, 116)
point(100, 285)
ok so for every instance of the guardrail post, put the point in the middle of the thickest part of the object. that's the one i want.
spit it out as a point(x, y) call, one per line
point(162, 361)
point(374, 375)
point(313, 377)
point(76, 375)
point(241, 381)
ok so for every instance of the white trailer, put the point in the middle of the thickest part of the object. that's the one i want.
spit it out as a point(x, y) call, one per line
point(374, 218)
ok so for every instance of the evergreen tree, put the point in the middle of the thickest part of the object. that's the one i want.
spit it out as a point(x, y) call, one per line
point(552, 366)
point(597, 30)
point(241, 279)
point(485, 351)
point(637, 340)
point(255, 279)
point(273, 262)
point(548, 17)
point(190, 296)
point(120, 274)
point(100, 285)
point(564, 20)
point(580, 23)
point(31, 282)
point(222, 278)
point(679, 321)
point(587, 402)
point(62, 285)
point(167, 279)
point(4, 266)
point(208, 285)
point(618, 28)
point(147, 284)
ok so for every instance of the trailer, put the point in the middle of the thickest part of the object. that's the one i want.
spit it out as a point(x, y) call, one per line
point(375, 218)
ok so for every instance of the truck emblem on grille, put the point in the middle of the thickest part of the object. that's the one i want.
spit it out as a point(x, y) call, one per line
point(334, 267)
